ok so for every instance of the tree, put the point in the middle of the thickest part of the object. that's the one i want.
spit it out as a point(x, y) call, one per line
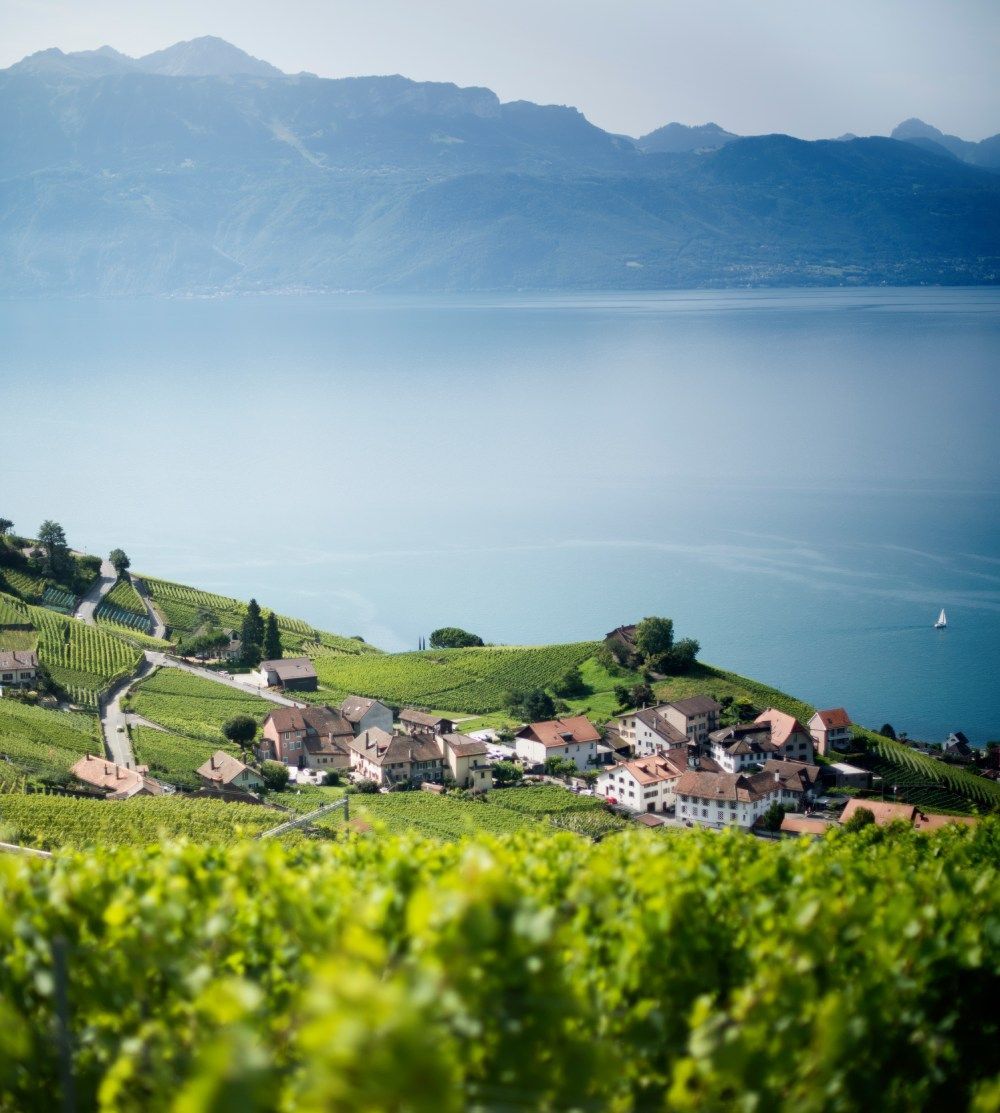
point(240, 729)
point(507, 773)
point(571, 684)
point(274, 775)
point(531, 706)
point(366, 787)
point(6, 525)
point(120, 561)
point(252, 634)
point(682, 656)
point(863, 817)
point(887, 732)
point(654, 636)
point(560, 766)
point(53, 539)
point(272, 639)
point(453, 637)
point(590, 776)
point(331, 777)
point(771, 819)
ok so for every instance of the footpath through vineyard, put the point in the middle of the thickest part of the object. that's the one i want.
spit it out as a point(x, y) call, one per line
point(95, 593)
point(114, 719)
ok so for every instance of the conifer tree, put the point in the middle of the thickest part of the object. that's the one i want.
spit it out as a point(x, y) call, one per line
point(272, 639)
point(252, 634)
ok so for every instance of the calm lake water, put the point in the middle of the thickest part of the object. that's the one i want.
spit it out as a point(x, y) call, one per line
point(802, 479)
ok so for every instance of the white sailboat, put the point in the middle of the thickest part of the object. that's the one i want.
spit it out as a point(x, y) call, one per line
point(942, 621)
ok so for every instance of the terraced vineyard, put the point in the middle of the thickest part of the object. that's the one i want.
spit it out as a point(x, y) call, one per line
point(12, 612)
point(186, 609)
point(50, 822)
point(928, 782)
point(585, 815)
point(27, 587)
point(58, 599)
point(124, 596)
point(43, 744)
point(446, 818)
point(191, 706)
point(473, 680)
point(174, 757)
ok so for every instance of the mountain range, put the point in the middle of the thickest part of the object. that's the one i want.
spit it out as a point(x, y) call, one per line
point(199, 168)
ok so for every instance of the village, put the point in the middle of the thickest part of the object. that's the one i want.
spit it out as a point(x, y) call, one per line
point(664, 765)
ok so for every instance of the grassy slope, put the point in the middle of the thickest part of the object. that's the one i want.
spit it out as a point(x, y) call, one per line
point(41, 743)
point(191, 706)
point(174, 757)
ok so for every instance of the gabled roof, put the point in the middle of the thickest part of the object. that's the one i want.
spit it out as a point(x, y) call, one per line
point(650, 770)
point(884, 813)
point(834, 718)
point(319, 720)
point(11, 659)
point(737, 787)
point(660, 726)
point(795, 776)
point(355, 708)
point(622, 633)
point(290, 668)
point(561, 732)
point(783, 725)
point(422, 719)
point(696, 705)
point(222, 768)
point(381, 748)
point(648, 819)
point(744, 738)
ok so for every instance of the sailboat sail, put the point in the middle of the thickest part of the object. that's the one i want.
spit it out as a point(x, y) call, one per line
point(942, 621)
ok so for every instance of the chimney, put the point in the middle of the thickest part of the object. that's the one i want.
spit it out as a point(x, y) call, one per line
point(118, 773)
point(213, 762)
point(777, 777)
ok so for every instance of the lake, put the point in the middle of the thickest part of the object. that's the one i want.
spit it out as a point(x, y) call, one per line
point(802, 479)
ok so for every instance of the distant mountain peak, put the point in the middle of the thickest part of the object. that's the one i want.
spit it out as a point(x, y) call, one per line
point(679, 138)
point(207, 56)
point(914, 128)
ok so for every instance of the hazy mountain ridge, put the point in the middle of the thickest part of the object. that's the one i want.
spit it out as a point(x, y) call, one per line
point(121, 178)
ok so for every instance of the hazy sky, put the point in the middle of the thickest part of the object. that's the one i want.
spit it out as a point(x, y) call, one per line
point(812, 68)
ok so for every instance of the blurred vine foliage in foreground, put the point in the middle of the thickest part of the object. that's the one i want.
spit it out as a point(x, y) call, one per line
point(689, 971)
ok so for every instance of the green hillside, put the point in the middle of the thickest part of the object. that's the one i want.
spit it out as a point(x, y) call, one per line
point(191, 705)
point(539, 971)
point(39, 744)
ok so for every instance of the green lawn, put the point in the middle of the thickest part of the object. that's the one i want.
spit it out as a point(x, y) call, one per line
point(440, 817)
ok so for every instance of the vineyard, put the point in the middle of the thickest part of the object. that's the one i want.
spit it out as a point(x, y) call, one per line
point(58, 599)
point(27, 587)
point(124, 596)
point(49, 822)
point(473, 680)
point(186, 610)
point(114, 615)
point(174, 757)
point(585, 815)
point(189, 705)
point(438, 817)
point(535, 971)
point(926, 781)
point(42, 744)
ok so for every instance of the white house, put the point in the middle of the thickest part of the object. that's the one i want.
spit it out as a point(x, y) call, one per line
point(644, 785)
point(741, 747)
point(799, 781)
point(831, 730)
point(575, 738)
point(364, 714)
point(467, 760)
point(18, 668)
point(647, 731)
point(695, 717)
point(725, 799)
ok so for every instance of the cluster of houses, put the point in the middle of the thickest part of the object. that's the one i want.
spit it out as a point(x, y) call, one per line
point(713, 776)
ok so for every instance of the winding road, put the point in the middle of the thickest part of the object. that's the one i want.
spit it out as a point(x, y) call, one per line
point(156, 624)
point(95, 593)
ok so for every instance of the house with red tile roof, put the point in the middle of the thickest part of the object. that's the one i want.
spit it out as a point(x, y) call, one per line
point(725, 799)
point(831, 730)
point(388, 759)
point(225, 771)
point(793, 824)
point(644, 785)
point(886, 813)
point(307, 738)
point(114, 782)
point(18, 668)
point(575, 738)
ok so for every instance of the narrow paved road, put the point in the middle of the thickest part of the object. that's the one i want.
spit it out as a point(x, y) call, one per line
point(156, 626)
point(208, 674)
point(96, 592)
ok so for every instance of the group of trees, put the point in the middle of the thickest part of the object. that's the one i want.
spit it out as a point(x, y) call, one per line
point(454, 637)
point(260, 637)
point(241, 730)
point(531, 706)
point(654, 648)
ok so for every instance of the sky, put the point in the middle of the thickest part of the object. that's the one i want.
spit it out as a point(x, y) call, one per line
point(811, 68)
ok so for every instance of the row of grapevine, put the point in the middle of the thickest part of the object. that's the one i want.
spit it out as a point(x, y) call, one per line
point(536, 971)
point(28, 587)
point(79, 655)
point(119, 616)
point(124, 596)
point(931, 772)
point(58, 599)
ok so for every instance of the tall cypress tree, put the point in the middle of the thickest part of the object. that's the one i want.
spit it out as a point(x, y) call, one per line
point(272, 639)
point(252, 634)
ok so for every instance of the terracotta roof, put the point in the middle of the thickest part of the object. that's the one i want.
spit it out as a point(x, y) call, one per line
point(835, 717)
point(113, 779)
point(744, 738)
point(355, 708)
point(222, 768)
point(696, 705)
point(561, 732)
point(796, 776)
point(381, 748)
point(319, 720)
point(648, 819)
point(726, 786)
point(650, 770)
point(11, 659)
point(783, 726)
point(421, 718)
point(885, 812)
point(463, 746)
point(290, 668)
point(804, 825)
